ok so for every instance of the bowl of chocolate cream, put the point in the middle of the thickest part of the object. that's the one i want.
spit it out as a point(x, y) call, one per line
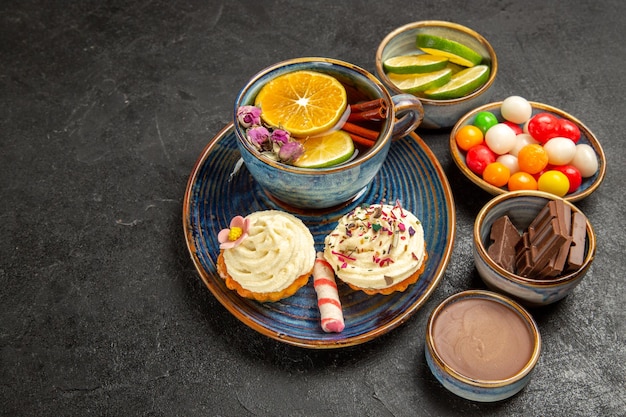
point(481, 345)
point(533, 246)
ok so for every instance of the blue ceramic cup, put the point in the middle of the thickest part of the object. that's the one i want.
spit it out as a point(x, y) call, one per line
point(323, 188)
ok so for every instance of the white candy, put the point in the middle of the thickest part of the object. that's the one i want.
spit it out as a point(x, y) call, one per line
point(516, 109)
point(522, 140)
point(560, 150)
point(585, 160)
point(500, 138)
point(509, 161)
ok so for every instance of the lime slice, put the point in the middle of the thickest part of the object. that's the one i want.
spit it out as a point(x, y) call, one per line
point(325, 151)
point(455, 67)
point(416, 83)
point(461, 84)
point(415, 64)
point(454, 51)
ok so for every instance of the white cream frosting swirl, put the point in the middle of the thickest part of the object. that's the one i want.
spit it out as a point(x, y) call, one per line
point(278, 249)
point(375, 247)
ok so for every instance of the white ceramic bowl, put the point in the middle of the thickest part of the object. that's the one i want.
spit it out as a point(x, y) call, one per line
point(482, 346)
point(522, 207)
point(589, 184)
point(438, 113)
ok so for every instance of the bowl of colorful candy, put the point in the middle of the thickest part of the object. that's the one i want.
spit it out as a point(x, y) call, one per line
point(449, 67)
point(533, 246)
point(517, 144)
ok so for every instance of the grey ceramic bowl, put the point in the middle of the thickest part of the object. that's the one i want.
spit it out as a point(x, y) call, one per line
point(489, 353)
point(438, 113)
point(522, 207)
point(323, 188)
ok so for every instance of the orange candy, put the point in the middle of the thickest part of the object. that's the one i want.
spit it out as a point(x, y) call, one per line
point(468, 136)
point(496, 173)
point(522, 181)
point(532, 158)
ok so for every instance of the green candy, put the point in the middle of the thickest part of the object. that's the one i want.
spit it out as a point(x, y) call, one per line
point(484, 120)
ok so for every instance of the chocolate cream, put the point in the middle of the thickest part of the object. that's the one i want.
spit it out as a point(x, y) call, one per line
point(482, 339)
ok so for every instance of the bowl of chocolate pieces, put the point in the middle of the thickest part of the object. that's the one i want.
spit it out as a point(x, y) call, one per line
point(533, 246)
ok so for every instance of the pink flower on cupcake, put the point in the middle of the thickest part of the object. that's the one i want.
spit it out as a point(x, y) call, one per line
point(235, 234)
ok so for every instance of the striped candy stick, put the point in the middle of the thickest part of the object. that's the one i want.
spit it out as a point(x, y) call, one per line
point(327, 296)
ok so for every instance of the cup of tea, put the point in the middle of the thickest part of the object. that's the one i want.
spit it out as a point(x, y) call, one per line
point(369, 115)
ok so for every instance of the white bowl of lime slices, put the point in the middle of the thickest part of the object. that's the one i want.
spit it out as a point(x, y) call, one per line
point(449, 67)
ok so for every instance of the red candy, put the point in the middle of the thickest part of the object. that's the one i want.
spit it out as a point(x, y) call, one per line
point(516, 128)
point(568, 129)
point(543, 126)
point(573, 175)
point(478, 157)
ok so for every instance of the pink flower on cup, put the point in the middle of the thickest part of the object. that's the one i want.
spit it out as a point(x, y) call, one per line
point(249, 116)
point(280, 136)
point(290, 151)
point(258, 136)
point(235, 234)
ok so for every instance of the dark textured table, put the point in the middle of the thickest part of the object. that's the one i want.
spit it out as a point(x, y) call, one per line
point(105, 107)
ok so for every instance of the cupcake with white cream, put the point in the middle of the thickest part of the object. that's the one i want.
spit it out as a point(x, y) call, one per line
point(378, 249)
point(266, 256)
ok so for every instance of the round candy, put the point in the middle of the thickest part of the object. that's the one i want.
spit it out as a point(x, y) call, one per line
point(585, 160)
point(573, 175)
point(532, 158)
point(500, 138)
point(521, 140)
point(485, 120)
point(560, 150)
point(522, 181)
point(468, 136)
point(569, 129)
point(554, 182)
point(543, 126)
point(510, 161)
point(516, 128)
point(496, 174)
point(478, 157)
point(516, 109)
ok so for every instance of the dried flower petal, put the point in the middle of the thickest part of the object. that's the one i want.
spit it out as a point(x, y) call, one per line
point(290, 151)
point(258, 135)
point(248, 116)
point(280, 136)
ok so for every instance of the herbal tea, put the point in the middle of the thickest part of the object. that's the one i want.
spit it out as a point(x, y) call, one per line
point(312, 120)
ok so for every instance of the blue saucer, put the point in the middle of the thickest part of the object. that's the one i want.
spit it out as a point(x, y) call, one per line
point(220, 187)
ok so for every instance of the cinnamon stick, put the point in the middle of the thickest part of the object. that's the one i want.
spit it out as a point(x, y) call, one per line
point(378, 113)
point(368, 105)
point(361, 131)
point(361, 140)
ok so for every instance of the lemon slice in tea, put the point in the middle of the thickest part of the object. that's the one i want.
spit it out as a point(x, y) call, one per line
point(461, 84)
point(456, 52)
point(415, 83)
point(326, 150)
point(415, 64)
point(304, 103)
